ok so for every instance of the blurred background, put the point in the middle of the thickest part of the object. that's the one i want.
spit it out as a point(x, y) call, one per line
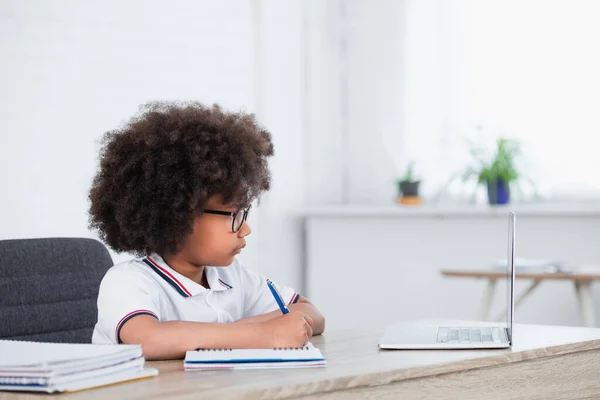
point(403, 132)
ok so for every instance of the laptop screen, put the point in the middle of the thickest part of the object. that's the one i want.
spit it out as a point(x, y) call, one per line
point(510, 275)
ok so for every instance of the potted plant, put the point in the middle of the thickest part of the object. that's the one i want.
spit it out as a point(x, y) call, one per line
point(498, 173)
point(408, 187)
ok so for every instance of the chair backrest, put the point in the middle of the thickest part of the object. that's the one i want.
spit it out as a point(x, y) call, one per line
point(49, 288)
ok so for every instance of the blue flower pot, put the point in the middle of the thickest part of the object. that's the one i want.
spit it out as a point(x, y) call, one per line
point(498, 192)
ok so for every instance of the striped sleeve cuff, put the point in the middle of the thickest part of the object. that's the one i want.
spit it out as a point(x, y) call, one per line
point(294, 299)
point(126, 318)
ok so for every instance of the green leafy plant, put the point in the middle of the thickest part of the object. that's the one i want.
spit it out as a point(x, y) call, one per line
point(408, 185)
point(501, 167)
point(409, 175)
point(488, 167)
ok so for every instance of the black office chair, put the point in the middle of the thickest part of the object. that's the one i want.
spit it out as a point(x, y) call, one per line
point(49, 288)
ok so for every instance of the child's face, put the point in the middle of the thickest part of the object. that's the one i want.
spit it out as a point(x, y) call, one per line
point(213, 242)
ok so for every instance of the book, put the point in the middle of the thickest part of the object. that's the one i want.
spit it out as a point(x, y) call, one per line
point(68, 367)
point(220, 359)
point(537, 265)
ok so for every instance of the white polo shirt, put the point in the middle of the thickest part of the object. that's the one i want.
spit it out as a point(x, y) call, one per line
point(149, 286)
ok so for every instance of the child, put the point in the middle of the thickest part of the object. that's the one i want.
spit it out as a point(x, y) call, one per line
point(174, 187)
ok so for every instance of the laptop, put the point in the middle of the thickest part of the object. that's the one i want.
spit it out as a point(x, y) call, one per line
point(420, 336)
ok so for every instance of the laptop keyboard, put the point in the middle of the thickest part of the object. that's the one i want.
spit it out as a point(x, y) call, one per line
point(469, 335)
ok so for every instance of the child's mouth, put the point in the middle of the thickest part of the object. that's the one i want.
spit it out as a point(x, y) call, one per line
point(239, 249)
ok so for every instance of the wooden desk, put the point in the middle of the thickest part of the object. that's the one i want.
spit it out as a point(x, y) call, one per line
point(545, 362)
point(582, 280)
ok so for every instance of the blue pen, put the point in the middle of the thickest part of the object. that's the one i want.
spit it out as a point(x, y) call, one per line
point(277, 296)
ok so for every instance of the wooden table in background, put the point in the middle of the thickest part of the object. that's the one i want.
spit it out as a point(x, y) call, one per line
point(545, 362)
point(581, 279)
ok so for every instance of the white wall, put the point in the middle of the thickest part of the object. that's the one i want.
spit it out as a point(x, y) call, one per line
point(354, 100)
point(72, 70)
point(279, 99)
point(519, 69)
point(375, 99)
point(330, 79)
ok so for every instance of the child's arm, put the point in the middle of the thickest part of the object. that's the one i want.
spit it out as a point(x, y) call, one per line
point(171, 339)
point(304, 306)
point(258, 300)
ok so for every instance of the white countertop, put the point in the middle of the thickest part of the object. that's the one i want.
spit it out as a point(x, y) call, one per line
point(532, 210)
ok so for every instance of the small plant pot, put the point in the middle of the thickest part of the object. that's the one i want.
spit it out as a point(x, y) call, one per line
point(498, 192)
point(409, 189)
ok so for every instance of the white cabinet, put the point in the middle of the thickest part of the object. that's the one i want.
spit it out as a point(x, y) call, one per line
point(373, 265)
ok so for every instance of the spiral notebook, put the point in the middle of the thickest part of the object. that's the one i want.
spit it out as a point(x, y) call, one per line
point(219, 359)
point(68, 367)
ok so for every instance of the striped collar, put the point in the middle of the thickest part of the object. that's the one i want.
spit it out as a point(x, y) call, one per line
point(183, 285)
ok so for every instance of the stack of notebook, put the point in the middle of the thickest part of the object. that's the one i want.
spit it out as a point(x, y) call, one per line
point(219, 359)
point(62, 367)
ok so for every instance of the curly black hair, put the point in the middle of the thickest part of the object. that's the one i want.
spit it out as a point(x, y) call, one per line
point(159, 169)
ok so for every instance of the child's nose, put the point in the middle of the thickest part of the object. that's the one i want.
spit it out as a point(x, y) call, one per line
point(244, 230)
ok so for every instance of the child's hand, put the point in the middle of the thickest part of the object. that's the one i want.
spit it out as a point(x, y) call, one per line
point(290, 330)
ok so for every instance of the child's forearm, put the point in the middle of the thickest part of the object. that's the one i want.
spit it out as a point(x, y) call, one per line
point(259, 318)
point(169, 340)
point(303, 307)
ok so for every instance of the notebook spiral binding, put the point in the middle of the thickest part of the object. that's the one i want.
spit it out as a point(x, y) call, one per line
point(291, 348)
point(274, 348)
point(214, 350)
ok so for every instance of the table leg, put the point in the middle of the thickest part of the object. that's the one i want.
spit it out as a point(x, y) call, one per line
point(488, 297)
point(586, 304)
point(520, 299)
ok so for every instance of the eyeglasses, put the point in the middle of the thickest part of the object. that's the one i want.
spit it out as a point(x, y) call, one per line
point(238, 219)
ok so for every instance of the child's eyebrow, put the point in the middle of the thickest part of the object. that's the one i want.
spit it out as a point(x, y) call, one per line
point(237, 207)
point(231, 208)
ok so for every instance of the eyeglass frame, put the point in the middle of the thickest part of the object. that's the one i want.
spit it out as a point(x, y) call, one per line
point(232, 214)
